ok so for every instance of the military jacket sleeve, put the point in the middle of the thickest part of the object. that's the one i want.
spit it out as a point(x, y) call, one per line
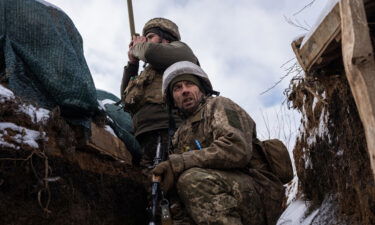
point(130, 70)
point(162, 55)
point(225, 132)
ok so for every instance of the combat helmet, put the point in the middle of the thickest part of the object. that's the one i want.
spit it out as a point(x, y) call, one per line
point(165, 25)
point(180, 68)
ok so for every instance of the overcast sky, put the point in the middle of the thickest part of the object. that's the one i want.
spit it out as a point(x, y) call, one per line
point(241, 44)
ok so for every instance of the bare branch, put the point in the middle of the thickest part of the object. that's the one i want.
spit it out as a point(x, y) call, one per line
point(294, 69)
point(306, 6)
point(295, 23)
point(266, 123)
point(287, 62)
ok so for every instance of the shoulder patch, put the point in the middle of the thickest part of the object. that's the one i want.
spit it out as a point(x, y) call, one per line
point(233, 119)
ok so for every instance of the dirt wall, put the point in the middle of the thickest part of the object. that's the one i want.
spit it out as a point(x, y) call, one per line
point(60, 182)
point(331, 154)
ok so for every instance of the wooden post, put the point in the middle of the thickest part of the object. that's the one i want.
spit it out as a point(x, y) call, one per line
point(358, 57)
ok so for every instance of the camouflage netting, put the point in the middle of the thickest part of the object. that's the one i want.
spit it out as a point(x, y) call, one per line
point(47, 173)
point(330, 154)
point(121, 122)
point(42, 59)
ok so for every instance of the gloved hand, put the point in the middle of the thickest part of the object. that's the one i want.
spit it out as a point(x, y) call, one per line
point(164, 169)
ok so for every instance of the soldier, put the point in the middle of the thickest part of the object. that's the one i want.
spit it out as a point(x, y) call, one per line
point(220, 177)
point(159, 47)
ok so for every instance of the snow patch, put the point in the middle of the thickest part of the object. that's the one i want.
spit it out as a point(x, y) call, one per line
point(295, 214)
point(340, 152)
point(5, 94)
point(22, 136)
point(298, 37)
point(291, 190)
point(5, 144)
point(306, 158)
point(326, 10)
point(36, 115)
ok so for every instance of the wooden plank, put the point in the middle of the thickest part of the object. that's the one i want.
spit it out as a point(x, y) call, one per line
point(358, 56)
point(296, 44)
point(107, 144)
point(311, 51)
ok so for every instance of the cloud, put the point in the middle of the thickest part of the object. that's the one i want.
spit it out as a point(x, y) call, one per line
point(241, 44)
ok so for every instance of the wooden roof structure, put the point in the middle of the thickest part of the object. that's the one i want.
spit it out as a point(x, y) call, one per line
point(344, 40)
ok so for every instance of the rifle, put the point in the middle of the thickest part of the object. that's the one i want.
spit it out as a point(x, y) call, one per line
point(131, 20)
point(156, 192)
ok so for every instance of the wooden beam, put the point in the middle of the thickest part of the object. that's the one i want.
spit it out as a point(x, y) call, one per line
point(358, 57)
point(311, 51)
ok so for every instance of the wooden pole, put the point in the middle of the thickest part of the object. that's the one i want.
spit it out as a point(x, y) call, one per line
point(358, 57)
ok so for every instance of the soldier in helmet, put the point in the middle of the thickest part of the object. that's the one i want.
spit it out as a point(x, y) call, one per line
point(159, 47)
point(220, 177)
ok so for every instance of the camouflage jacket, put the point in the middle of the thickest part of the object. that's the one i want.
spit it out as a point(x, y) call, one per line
point(142, 96)
point(225, 132)
point(227, 135)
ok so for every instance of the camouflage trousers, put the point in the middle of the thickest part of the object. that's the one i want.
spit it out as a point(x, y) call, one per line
point(220, 197)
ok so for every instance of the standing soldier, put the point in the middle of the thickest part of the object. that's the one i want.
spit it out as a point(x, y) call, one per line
point(159, 47)
point(221, 178)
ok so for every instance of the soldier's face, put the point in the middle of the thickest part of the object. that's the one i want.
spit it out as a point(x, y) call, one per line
point(154, 38)
point(186, 96)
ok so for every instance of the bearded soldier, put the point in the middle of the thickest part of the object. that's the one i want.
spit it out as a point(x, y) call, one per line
point(220, 177)
point(159, 47)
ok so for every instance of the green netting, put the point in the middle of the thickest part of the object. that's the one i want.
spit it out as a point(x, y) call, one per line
point(121, 122)
point(44, 59)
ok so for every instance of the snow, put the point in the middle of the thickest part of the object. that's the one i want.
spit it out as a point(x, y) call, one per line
point(307, 160)
point(312, 138)
point(36, 115)
point(295, 214)
point(340, 152)
point(5, 94)
point(6, 144)
point(296, 38)
point(291, 190)
point(326, 10)
point(22, 136)
point(315, 101)
point(323, 121)
point(110, 130)
point(52, 179)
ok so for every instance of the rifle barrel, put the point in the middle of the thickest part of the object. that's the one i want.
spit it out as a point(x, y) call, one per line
point(131, 19)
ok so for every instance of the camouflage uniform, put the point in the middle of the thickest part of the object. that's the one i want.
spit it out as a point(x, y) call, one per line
point(227, 181)
point(142, 97)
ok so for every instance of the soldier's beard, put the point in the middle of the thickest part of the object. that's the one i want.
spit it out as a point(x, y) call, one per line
point(191, 110)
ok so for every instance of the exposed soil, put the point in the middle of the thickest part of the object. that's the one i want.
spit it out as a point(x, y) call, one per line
point(63, 183)
point(331, 153)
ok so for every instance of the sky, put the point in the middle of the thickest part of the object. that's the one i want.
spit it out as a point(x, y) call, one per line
point(241, 44)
